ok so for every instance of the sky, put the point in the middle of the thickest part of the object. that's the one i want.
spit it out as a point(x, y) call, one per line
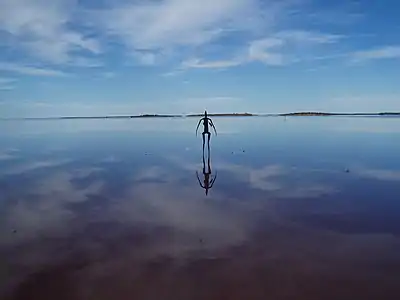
point(111, 57)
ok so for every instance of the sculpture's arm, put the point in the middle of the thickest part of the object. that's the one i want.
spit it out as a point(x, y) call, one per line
point(197, 128)
point(212, 125)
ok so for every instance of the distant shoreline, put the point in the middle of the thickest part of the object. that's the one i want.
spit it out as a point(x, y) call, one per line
point(294, 114)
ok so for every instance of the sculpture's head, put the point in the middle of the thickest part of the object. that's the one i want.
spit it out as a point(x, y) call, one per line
point(205, 113)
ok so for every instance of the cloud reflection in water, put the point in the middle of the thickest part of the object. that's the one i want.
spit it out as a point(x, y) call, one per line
point(121, 224)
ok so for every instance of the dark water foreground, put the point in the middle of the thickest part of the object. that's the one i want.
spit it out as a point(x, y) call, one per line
point(113, 209)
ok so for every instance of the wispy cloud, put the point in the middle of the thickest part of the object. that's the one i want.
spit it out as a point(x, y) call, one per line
point(152, 32)
point(259, 51)
point(7, 87)
point(165, 24)
point(217, 64)
point(50, 213)
point(6, 155)
point(172, 73)
point(153, 29)
point(387, 52)
point(273, 179)
point(7, 80)
point(379, 174)
point(30, 70)
point(33, 166)
point(265, 178)
point(152, 173)
point(108, 75)
point(85, 62)
point(41, 28)
point(344, 14)
point(313, 37)
point(276, 50)
point(7, 84)
point(147, 58)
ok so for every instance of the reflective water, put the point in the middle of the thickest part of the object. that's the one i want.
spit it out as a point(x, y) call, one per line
point(303, 208)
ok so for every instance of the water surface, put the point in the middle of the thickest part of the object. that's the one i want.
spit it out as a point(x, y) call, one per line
point(302, 208)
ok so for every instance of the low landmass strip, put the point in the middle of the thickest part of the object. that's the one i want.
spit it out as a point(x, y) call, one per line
point(340, 114)
point(293, 114)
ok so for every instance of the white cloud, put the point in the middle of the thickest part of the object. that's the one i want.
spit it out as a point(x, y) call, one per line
point(29, 70)
point(259, 51)
point(313, 37)
point(341, 16)
point(218, 64)
point(379, 174)
point(41, 27)
point(145, 57)
point(278, 49)
point(172, 73)
point(265, 178)
point(163, 24)
point(274, 180)
point(50, 214)
point(108, 75)
point(7, 87)
point(7, 84)
point(6, 156)
point(33, 166)
point(167, 25)
point(85, 62)
point(186, 212)
point(171, 221)
point(7, 80)
point(152, 31)
point(378, 53)
point(151, 173)
point(275, 50)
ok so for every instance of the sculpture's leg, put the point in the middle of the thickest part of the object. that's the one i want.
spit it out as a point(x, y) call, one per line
point(204, 141)
point(209, 165)
point(204, 164)
point(208, 144)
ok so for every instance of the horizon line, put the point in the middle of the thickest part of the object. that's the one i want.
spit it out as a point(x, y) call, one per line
point(242, 114)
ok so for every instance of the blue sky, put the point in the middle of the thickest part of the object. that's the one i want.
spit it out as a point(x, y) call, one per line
point(87, 57)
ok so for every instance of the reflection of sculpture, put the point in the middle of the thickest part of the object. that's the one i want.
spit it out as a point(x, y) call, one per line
point(209, 179)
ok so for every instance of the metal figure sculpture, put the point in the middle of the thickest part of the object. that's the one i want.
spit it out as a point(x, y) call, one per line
point(206, 123)
point(208, 178)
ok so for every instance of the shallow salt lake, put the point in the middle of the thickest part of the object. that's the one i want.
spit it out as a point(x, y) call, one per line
point(295, 208)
